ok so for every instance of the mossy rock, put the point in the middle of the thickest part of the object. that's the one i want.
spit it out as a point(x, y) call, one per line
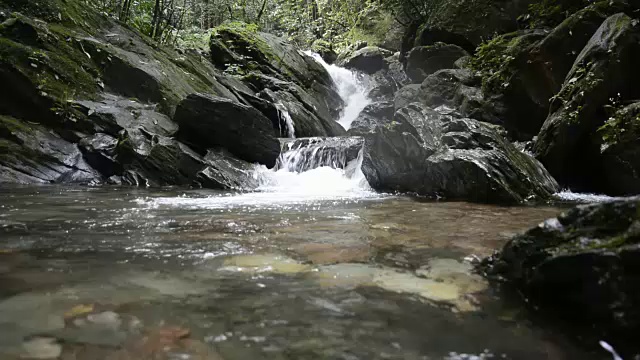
point(325, 50)
point(582, 268)
point(621, 150)
point(239, 49)
point(606, 69)
point(47, 68)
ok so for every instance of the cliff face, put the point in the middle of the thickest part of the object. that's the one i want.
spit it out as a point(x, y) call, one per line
point(558, 75)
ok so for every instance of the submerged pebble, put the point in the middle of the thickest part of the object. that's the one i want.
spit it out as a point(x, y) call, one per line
point(41, 348)
point(261, 263)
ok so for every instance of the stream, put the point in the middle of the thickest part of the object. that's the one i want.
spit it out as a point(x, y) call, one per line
point(313, 265)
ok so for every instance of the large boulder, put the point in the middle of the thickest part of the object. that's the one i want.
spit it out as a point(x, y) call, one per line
point(455, 88)
point(384, 84)
point(144, 159)
point(523, 70)
point(242, 48)
point(605, 69)
point(300, 83)
point(425, 60)
point(581, 267)
point(621, 151)
point(325, 50)
point(31, 153)
point(155, 160)
point(208, 122)
point(464, 23)
point(439, 153)
point(368, 60)
point(393, 157)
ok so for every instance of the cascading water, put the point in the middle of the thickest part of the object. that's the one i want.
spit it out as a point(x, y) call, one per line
point(352, 87)
point(285, 117)
point(321, 168)
point(317, 169)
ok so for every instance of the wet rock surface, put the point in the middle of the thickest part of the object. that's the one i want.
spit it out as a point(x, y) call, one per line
point(212, 122)
point(566, 143)
point(579, 267)
point(369, 60)
point(425, 60)
point(441, 154)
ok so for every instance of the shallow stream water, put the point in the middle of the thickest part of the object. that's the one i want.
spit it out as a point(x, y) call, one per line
point(112, 273)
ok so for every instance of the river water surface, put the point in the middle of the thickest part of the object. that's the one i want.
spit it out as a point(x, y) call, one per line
point(117, 273)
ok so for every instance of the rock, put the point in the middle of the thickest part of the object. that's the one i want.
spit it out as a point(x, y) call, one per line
point(310, 117)
point(427, 36)
point(368, 60)
point(325, 254)
point(477, 163)
point(325, 50)
point(247, 49)
point(440, 154)
point(620, 151)
point(393, 154)
point(31, 153)
point(406, 95)
point(114, 113)
point(264, 263)
point(99, 152)
point(385, 83)
point(466, 24)
point(459, 89)
point(42, 348)
point(604, 70)
point(225, 172)
point(518, 91)
point(425, 60)
point(213, 122)
point(525, 69)
point(154, 160)
point(580, 267)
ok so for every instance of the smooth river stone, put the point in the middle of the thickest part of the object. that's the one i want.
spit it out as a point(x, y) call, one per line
point(261, 263)
point(454, 291)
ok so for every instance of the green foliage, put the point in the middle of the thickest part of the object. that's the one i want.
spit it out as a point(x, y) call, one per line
point(549, 13)
point(494, 61)
point(193, 38)
point(623, 125)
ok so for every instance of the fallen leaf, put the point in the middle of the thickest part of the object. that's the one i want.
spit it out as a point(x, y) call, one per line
point(79, 310)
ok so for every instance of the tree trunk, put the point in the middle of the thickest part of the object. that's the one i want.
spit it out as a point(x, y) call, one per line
point(156, 19)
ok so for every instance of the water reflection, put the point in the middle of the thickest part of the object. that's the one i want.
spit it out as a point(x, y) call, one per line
point(111, 273)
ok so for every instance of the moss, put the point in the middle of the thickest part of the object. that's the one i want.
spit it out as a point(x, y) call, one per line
point(550, 13)
point(71, 13)
point(495, 60)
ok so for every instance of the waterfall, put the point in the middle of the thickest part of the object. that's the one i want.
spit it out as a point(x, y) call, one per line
point(352, 88)
point(310, 169)
point(307, 154)
point(285, 117)
point(317, 168)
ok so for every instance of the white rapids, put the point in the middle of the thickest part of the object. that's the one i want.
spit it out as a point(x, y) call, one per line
point(352, 87)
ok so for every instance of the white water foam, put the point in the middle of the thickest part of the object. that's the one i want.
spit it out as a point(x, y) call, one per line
point(568, 195)
point(352, 87)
